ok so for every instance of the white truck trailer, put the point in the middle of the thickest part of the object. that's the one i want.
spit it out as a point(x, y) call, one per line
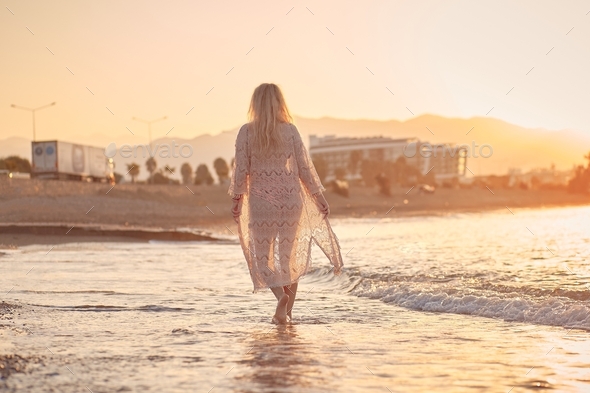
point(69, 161)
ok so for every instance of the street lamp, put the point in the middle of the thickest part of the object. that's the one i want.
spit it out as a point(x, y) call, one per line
point(149, 123)
point(33, 110)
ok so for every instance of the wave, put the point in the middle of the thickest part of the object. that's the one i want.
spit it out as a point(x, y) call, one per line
point(568, 308)
point(550, 312)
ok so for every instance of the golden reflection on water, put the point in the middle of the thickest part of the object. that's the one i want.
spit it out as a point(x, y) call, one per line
point(279, 358)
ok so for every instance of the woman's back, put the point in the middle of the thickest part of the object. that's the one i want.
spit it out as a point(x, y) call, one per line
point(277, 188)
point(276, 173)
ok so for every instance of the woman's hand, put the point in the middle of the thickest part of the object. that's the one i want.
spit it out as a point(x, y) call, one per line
point(322, 204)
point(236, 209)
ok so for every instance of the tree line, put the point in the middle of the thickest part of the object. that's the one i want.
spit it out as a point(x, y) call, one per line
point(372, 172)
point(201, 175)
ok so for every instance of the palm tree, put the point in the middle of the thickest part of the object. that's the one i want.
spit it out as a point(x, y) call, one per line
point(169, 169)
point(151, 166)
point(133, 171)
point(187, 173)
point(203, 176)
point(222, 170)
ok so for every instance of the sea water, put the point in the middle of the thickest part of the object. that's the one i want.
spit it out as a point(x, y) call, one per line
point(496, 301)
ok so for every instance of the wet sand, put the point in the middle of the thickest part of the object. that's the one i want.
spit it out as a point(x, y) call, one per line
point(28, 233)
point(11, 363)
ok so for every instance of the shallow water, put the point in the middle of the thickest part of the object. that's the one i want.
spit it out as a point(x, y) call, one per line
point(460, 303)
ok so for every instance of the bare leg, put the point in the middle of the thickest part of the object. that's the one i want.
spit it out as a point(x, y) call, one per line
point(280, 316)
point(291, 290)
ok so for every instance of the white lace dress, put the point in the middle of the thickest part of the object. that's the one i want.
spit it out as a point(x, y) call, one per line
point(280, 219)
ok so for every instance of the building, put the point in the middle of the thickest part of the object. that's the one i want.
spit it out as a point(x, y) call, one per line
point(446, 161)
point(347, 153)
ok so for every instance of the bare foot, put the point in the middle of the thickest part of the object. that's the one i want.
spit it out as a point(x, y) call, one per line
point(280, 317)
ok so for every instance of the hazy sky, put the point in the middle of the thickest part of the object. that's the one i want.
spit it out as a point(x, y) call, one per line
point(154, 58)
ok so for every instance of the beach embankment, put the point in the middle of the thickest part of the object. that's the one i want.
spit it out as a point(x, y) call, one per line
point(34, 209)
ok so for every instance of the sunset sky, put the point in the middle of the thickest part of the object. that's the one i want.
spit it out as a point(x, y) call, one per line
point(332, 58)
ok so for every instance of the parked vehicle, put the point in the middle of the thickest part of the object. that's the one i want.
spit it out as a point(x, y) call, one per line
point(69, 161)
point(426, 189)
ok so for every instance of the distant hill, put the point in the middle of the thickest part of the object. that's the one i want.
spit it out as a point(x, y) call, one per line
point(513, 146)
point(15, 146)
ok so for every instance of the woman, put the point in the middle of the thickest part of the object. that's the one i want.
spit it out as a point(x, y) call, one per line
point(278, 201)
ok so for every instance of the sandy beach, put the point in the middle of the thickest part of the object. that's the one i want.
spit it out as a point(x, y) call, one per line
point(205, 209)
point(155, 275)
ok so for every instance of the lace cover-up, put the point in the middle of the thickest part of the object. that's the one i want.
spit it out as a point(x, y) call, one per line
point(280, 219)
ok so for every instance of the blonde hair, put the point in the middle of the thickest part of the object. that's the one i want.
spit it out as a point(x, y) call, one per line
point(267, 110)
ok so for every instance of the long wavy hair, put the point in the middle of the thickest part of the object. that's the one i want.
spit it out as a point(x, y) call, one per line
point(267, 111)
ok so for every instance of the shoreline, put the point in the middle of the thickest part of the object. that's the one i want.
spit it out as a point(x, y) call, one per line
point(53, 212)
point(48, 233)
point(53, 234)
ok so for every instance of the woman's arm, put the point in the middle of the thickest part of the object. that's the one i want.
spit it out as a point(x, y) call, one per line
point(236, 207)
point(308, 173)
point(240, 171)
